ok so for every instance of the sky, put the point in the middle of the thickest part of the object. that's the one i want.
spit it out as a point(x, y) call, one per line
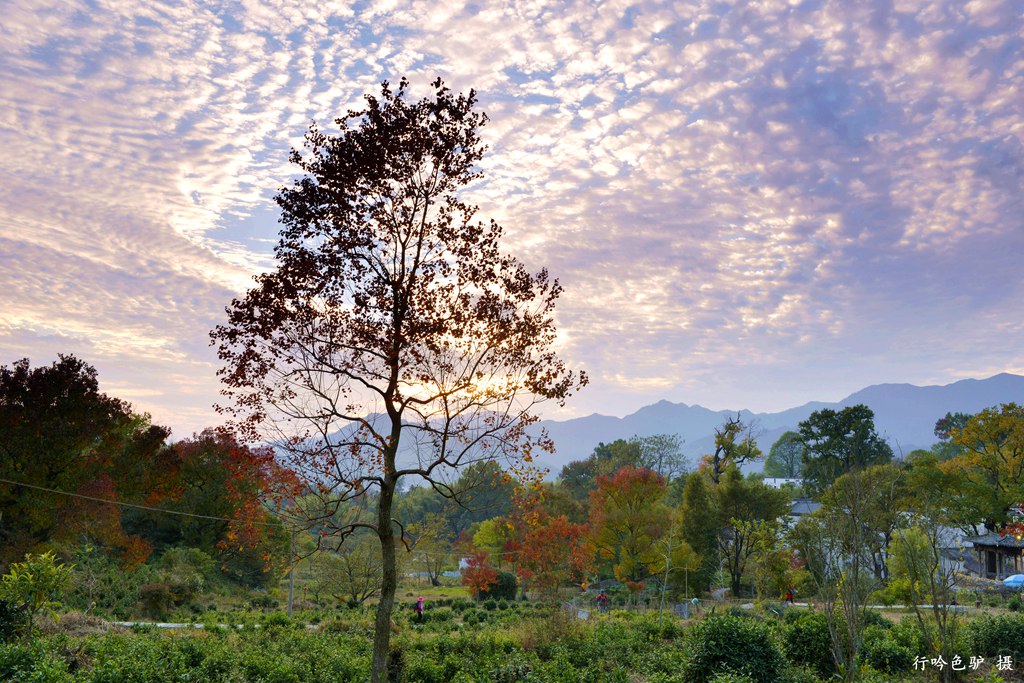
point(749, 204)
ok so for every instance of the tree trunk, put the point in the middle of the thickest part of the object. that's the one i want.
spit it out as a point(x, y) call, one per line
point(389, 582)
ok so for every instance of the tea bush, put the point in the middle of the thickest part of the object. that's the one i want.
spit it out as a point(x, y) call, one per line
point(11, 620)
point(991, 636)
point(807, 642)
point(883, 653)
point(728, 644)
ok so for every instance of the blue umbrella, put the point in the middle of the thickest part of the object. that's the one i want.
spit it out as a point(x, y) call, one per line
point(1015, 581)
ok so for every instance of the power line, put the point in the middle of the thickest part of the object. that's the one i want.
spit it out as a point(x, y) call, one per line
point(182, 514)
point(123, 504)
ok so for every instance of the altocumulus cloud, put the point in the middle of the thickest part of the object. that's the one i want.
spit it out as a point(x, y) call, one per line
point(753, 205)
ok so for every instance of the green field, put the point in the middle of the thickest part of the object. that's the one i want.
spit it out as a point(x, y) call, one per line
point(498, 641)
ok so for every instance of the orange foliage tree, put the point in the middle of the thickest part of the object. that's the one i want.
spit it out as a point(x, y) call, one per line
point(627, 519)
point(548, 551)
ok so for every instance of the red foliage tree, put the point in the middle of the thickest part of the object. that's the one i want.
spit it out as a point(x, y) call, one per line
point(548, 551)
point(479, 575)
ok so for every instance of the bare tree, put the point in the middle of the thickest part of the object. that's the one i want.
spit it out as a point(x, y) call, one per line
point(662, 453)
point(836, 542)
point(395, 339)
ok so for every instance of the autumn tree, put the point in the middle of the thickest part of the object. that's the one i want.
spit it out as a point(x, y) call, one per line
point(990, 469)
point(394, 339)
point(546, 550)
point(218, 485)
point(735, 444)
point(627, 518)
point(839, 442)
point(478, 576)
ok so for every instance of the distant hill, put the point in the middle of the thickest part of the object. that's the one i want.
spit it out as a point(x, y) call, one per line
point(904, 414)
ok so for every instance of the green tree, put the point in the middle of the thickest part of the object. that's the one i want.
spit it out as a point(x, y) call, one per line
point(432, 542)
point(580, 477)
point(839, 442)
point(990, 469)
point(35, 586)
point(393, 323)
point(735, 444)
point(785, 457)
point(58, 431)
point(836, 542)
point(352, 574)
point(747, 511)
point(493, 536)
point(662, 454)
point(699, 527)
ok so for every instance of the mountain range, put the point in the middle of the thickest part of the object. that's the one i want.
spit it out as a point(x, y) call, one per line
point(905, 416)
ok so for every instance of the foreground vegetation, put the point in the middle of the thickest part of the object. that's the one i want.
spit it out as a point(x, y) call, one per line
point(462, 640)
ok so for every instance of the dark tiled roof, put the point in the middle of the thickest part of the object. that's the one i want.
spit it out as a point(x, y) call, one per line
point(992, 539)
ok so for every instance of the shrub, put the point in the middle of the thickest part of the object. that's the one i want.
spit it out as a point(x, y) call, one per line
point(441, 615)
point(36, 585)
point(187, 570)
point(991, 636)
point(807, 641)
point(728, 644)
point(263, 602)
point(280, 619)
point(883, 653)
point(490, 605)
point(511, 671)
point(874, 618)
point(1014, 604)
point(10, 620)
point(156, 599)
point(908, 634)
point(731, 678)
point(504, 589)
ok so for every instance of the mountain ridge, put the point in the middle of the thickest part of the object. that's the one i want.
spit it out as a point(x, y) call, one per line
point(905, 416)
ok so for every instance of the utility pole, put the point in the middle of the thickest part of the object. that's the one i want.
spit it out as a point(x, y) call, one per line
point(668, 566)
point(291, 574)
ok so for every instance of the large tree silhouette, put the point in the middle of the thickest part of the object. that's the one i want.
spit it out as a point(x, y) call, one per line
point(395, 339)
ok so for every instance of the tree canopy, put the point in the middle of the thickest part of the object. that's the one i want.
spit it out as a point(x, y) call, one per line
point(393, 322)
point(785, 457)
point(58, 431)
point(838, 442)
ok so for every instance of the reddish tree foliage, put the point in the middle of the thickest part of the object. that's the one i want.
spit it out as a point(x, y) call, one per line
point(547, 551)
point(394, 323)
point(479, 575)
point(235, 484)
